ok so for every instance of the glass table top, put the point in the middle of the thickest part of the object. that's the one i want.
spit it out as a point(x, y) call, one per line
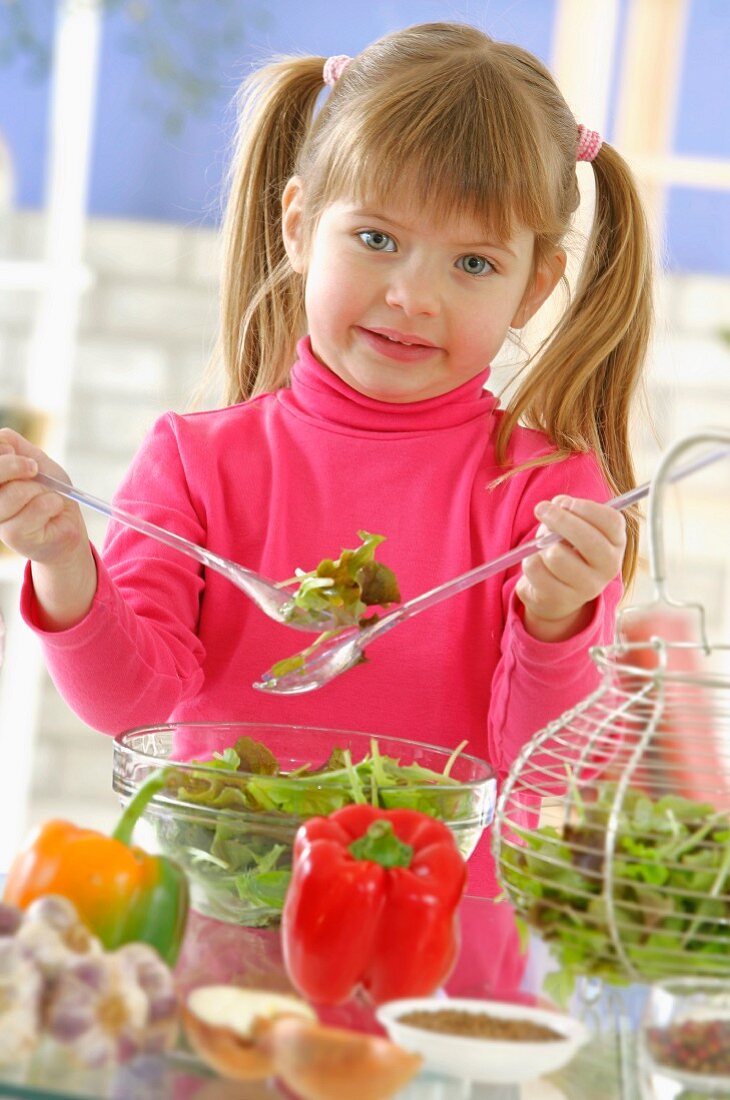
point(491, 965)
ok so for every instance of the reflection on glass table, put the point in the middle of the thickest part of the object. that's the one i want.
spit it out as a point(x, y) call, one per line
point(494, 968)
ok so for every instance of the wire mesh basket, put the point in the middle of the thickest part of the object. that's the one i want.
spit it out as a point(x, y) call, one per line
point(612, 834)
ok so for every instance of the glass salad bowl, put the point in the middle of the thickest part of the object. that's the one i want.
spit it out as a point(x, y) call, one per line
point(236, 793)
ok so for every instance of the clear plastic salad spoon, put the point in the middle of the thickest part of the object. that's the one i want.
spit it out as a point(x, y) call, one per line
point(342, 652)
point(266, 594)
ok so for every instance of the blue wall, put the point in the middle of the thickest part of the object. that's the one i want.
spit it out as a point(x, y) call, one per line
point(143, 169)
point(698, 221)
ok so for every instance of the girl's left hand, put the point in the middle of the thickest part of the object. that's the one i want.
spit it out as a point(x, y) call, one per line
point(558, 585)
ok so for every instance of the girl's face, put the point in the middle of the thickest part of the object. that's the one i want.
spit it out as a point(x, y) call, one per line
point(402, 307)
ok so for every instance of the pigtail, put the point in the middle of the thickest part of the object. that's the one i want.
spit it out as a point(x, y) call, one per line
point(262, 308)
point(581, 387)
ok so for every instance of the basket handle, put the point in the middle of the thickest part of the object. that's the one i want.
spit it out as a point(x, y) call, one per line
point(659, 482)
point(666, 474)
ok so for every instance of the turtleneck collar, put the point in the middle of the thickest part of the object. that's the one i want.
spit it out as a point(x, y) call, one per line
point(316, 393)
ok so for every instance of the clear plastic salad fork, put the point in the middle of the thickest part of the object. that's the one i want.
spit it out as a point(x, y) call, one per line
point(338, 654)
point(266, 594)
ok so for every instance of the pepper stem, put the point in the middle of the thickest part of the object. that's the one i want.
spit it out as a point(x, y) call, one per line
point(381, 845)
point(136, 807)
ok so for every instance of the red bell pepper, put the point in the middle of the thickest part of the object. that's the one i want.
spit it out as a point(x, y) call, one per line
point(372, 904)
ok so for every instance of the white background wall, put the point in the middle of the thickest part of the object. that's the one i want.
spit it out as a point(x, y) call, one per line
point(146, 329)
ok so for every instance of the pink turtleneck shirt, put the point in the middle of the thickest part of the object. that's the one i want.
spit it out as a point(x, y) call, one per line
point(284, 480)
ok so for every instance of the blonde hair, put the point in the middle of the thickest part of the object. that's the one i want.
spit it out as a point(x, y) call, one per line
point(467, 125)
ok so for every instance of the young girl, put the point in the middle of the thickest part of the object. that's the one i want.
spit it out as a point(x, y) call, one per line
point(379, 253)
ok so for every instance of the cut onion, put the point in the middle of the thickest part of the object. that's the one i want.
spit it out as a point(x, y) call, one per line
point(219, 1022)
point(329, 1063)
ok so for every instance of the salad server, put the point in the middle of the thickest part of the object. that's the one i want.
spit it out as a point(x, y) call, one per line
point(266, 594)
point(338, 654)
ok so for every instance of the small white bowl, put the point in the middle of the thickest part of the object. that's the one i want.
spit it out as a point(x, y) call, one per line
point(490, 1061)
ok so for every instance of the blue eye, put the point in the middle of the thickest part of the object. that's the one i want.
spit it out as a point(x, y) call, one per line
point(474, 265)
point(378, 241)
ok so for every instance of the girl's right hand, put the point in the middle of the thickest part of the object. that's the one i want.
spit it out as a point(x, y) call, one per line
point(34, 521)
point(48, 529)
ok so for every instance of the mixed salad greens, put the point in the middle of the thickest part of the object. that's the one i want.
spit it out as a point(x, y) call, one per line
point(340, 592)
point(245, 862)
point(670, 887)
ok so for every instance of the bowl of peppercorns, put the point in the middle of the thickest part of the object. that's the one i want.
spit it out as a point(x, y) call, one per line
point(685, 1034)
point(495, 1042)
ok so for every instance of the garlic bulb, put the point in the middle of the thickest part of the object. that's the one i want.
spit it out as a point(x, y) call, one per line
point(101, 1008)
point(53, 944)
point(55, 910)
point(21, 987)
point(108, 1008)
point(11, 918)
point(156, 979)
point(92, 1006)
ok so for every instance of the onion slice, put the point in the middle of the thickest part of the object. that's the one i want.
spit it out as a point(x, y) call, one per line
point(328, 1063)
point(220, 1020)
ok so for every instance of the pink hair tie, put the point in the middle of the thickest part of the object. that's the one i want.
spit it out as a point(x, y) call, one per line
point(589, 142)
point(334, 67)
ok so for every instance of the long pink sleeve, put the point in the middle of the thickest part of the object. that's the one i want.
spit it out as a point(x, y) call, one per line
point(117, 668)
point(534, 682)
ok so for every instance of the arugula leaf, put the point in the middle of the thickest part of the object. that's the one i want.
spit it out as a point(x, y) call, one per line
point(338, 592)
point(344, 588)
point(263, 888)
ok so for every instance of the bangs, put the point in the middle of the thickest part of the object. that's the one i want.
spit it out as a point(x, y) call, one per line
point(468, 146)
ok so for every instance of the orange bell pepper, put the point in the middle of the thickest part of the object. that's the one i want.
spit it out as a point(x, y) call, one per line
point(121, 893)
